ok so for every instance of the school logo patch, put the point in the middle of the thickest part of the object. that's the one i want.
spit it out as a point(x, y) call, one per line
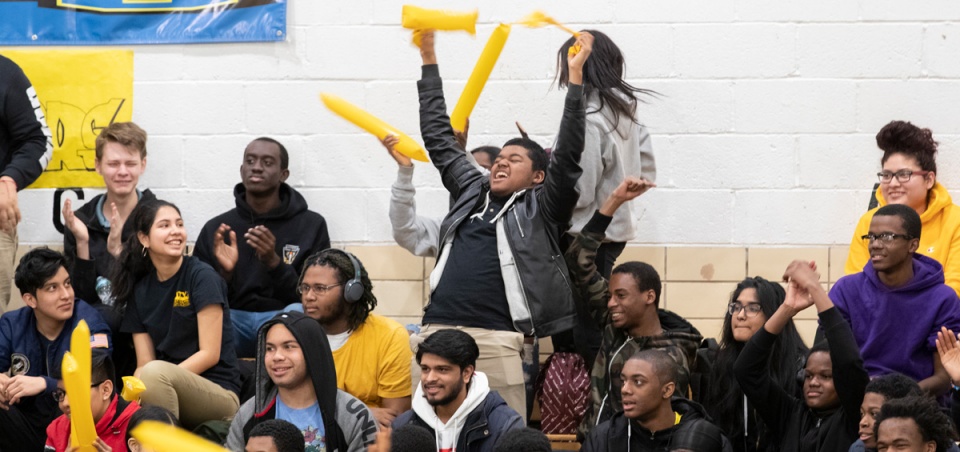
point(182, 300)
point(19, 364)
point(290, 253)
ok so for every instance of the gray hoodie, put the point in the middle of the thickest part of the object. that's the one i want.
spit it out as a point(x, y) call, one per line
point(348, 423)
point(610, 154)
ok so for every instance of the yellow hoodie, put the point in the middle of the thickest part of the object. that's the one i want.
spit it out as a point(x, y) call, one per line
point(939, 239)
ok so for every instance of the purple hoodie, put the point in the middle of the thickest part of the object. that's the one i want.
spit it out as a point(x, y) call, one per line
point(896, 328)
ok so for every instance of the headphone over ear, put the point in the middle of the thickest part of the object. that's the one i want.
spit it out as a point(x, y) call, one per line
point(353, 289)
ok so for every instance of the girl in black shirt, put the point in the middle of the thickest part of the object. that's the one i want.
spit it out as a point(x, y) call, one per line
point(175, 308)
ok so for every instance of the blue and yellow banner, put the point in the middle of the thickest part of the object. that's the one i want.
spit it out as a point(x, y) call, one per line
point(111, 22)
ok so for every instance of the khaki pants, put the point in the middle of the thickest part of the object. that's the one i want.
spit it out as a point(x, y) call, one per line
point(192, 398)
point(499, 359)
point(8, 254)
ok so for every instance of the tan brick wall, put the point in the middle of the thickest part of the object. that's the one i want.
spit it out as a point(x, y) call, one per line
point(697, 281)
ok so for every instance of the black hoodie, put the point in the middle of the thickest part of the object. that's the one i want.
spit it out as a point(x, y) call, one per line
point(693, 432)
point(348, 423)
point(25, 146)
point(800, 428)
point(299, 232)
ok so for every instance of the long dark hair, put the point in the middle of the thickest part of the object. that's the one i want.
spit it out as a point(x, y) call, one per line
point(603, 74)
point(134, 263)
point(725, 400)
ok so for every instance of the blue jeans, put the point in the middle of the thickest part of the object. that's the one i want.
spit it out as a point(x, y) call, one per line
point(245, 327)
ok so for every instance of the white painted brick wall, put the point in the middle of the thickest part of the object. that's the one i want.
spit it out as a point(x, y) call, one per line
point(764, 131)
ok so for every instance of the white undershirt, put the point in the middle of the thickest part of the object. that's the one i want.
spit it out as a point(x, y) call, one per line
point(337, 340)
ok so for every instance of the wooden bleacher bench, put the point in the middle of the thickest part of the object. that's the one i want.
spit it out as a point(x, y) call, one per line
point(563, 442)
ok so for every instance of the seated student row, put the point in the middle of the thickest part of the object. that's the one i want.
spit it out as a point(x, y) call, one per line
point(901, 214)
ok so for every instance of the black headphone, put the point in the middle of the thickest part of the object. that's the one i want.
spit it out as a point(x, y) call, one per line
point(353, 289)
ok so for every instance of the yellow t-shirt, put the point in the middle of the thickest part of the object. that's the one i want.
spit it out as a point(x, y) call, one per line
point(374, 363)
point(939, 236)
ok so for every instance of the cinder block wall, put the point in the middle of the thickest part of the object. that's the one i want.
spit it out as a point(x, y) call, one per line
point(763, 131)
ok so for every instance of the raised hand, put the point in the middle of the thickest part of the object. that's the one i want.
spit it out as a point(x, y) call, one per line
point(632, 187)
point(576, 61)
point(461, 135)
point(114, 243)
point(803, 273)
point(264, 244)
point(390, 142)
point(949, 349)
point(797, 298)
point(227, 254)
point(77, 228)
point(427, 52)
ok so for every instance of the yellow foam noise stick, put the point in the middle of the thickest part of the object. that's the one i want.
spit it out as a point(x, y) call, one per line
point(538, 19)
point(478, 78)
point(132, 388)
point(407, 146)
point(417, 18)
point(167, 438)
point(76, 379)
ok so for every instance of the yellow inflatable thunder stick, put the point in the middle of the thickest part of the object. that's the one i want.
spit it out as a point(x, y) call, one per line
point(132, 388)
point(416, 19)
point(478, 78)
point(407, 146)
point(76, 379)
point(538, 19)
point(167, 438)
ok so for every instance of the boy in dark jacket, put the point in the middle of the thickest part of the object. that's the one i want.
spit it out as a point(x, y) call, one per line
point(93, 235)
point(630, 320)
point(260, 246)
point(500, 272)
point(33, 340)
point(827, 418)
point(453, 400)
point(661, 422)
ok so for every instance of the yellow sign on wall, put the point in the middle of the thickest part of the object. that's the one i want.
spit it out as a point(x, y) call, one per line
point(82, 92)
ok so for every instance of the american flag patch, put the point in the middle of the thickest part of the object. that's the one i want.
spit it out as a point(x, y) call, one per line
point(99, 341)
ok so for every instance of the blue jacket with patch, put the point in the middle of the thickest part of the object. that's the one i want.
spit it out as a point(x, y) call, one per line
point(23, 352)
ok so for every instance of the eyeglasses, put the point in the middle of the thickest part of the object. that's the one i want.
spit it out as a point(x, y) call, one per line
point(320, 289)
point(751, 309)
point(58, 394)
point(885, 237)
point(903, 176)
